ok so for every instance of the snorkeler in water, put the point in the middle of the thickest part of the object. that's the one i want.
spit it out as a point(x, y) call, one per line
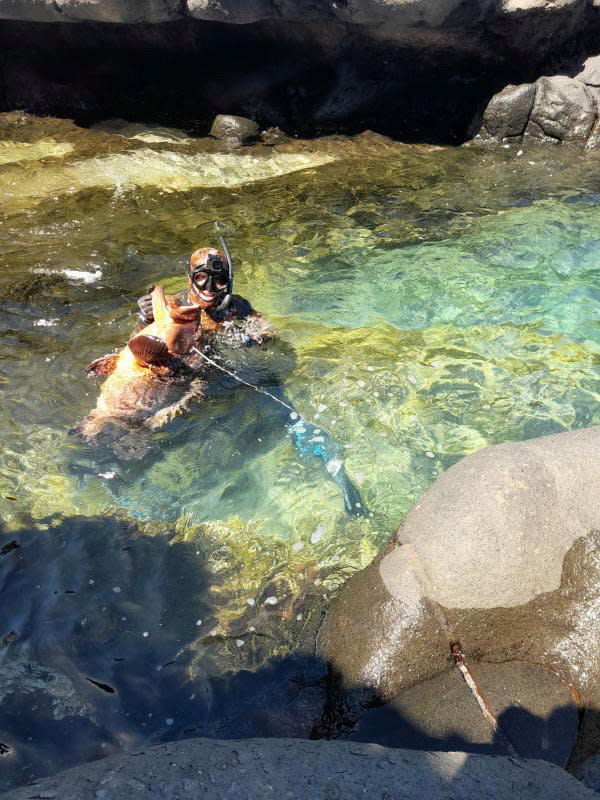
point(232, 320)
point(210, 286)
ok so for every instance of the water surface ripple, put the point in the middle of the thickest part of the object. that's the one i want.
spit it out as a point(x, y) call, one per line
point(429, 302)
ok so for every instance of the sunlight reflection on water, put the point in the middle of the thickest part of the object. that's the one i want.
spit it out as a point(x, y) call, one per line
point(429, 302)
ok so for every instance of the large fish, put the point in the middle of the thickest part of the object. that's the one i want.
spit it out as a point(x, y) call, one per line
point(149, 381)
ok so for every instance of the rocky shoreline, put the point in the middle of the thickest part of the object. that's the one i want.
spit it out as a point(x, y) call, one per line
point(416, 71)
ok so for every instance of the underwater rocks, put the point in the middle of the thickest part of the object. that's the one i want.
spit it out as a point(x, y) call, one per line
point(502, 555)
point(294, 768)
point(557, 109)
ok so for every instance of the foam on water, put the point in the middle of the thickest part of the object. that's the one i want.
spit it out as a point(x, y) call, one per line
point(85, 276)
point(165, 170)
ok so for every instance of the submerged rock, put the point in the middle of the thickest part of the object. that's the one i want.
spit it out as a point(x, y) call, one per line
point(502, 554)
point(295, 768)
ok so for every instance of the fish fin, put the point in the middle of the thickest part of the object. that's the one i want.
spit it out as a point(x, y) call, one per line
point(103, 365)
point(353, 502)
point(149, 349)
point(168, 414)
point(185, 315)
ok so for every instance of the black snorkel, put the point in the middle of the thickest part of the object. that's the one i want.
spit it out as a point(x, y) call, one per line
point(229, 291)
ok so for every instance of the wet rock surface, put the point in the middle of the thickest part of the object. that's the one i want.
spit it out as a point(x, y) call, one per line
point(233, 129)
point(536, 713)
point(293, 768)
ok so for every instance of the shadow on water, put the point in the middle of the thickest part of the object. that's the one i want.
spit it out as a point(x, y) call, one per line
point(101, 651)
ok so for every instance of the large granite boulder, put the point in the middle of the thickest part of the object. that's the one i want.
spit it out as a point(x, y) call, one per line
point(502, 554)
point(254, 769)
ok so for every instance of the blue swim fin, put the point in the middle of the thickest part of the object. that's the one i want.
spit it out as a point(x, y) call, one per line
point(309, 440)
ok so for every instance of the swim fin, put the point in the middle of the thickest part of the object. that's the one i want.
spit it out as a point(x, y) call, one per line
point(312, 441)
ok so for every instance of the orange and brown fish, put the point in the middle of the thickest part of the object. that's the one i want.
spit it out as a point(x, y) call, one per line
point(150, 380)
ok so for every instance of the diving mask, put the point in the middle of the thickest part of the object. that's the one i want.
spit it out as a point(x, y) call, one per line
point(207, 281)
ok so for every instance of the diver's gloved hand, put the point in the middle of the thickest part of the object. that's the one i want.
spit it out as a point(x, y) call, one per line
point(145, 306)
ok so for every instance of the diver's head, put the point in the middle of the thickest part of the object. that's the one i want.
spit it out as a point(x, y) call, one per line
point(209, 277)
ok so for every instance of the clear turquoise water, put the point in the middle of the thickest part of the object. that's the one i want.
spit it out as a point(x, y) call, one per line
point(429, 302)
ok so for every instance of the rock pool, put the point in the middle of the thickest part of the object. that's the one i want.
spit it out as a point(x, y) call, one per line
point(429, 302)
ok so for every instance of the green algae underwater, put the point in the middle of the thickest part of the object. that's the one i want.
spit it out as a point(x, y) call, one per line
point(429, 302)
